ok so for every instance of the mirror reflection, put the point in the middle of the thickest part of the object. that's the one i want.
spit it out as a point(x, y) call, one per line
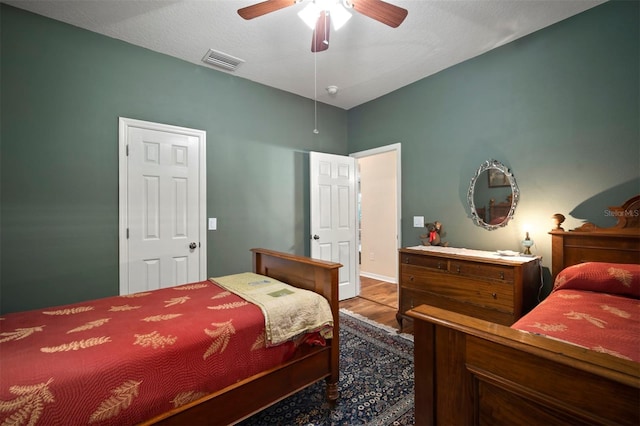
point(493, 195)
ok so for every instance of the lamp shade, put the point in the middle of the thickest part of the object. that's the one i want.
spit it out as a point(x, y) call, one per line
point(309, 14)
point(339, 15)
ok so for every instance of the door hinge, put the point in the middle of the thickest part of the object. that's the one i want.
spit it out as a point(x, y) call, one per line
point(127, 233)
point(127, 149)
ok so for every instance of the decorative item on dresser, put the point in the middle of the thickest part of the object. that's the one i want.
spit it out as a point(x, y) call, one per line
point(483, 284)
point(527, 243)
point(471, 371)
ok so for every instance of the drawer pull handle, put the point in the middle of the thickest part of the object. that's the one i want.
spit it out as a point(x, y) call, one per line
point(411, 278)
point(502, 275)
point(439, 265)
point(495, 296)
point(458, 269)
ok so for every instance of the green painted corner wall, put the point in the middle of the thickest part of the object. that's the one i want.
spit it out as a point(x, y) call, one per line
point(559, 107)
point(63, 89)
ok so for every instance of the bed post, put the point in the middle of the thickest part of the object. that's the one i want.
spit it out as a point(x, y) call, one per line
point(329, 279)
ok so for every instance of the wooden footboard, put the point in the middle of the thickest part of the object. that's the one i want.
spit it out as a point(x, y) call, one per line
point(471, 372)
point(251, 395)
point(311, 274)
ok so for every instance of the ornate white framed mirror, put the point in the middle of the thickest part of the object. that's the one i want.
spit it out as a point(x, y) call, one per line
point(493, 195)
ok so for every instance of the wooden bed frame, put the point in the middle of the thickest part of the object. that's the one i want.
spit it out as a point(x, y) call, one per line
point(247, 397)
point(470, 372)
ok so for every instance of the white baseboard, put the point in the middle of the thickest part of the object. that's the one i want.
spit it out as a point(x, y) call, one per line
point(391, 280)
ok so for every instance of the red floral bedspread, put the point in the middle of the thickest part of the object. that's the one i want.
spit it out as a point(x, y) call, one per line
point(593, 305)
point(124, 359)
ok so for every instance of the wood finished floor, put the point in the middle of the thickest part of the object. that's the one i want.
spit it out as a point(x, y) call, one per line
point(378, 301)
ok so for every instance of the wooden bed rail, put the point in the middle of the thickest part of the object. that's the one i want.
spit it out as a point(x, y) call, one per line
point(472, 379)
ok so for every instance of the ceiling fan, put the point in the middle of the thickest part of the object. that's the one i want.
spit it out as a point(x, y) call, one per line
point(319, 13)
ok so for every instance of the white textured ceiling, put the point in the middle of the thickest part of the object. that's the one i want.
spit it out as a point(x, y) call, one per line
point(366, 59)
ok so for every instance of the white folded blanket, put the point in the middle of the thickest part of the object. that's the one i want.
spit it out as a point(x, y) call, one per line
point(288, 311)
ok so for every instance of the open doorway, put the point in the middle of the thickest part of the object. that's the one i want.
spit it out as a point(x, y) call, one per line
point(379, 212)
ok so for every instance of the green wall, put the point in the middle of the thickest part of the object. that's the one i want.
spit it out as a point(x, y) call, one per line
point(63, 89)
point(558, 107)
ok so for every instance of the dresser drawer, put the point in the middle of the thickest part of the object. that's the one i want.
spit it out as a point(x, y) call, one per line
point(488, 293)
point(424, 261)
point(412, 276)
point(493, 295)
point(482, 270)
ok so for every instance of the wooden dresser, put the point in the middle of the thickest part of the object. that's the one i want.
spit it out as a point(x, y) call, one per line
point(477, 283)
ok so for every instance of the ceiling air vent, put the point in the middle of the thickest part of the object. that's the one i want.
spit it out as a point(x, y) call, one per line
point(222, 60)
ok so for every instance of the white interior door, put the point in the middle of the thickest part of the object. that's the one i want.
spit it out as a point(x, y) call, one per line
point(333, 216)
point(163, 240)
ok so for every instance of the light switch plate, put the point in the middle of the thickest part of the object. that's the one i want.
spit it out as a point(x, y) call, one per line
point(418, 221)
point(213, 223)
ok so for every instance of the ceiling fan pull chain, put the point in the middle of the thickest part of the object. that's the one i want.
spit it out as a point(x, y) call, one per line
point(315, 94)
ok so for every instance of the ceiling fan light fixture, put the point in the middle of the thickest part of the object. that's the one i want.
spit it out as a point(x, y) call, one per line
point(309, 14)
point(339, 15)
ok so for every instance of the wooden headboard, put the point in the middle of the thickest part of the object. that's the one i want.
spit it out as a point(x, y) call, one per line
point(590, 243)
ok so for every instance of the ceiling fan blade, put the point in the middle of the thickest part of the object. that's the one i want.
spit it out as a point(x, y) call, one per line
point(320, 39)
point(381, 11)
point(264, 7)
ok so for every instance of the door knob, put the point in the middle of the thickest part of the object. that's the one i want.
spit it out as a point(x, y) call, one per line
point(192, 246)
point(316, 237)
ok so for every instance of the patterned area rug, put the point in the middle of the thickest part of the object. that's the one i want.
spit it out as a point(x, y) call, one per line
point(376, 382)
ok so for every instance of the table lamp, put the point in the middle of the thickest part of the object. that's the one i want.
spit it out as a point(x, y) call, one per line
point(527, 243)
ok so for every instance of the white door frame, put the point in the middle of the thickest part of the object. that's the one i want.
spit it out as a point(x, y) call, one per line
point(387, 148)
point(123, 126)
